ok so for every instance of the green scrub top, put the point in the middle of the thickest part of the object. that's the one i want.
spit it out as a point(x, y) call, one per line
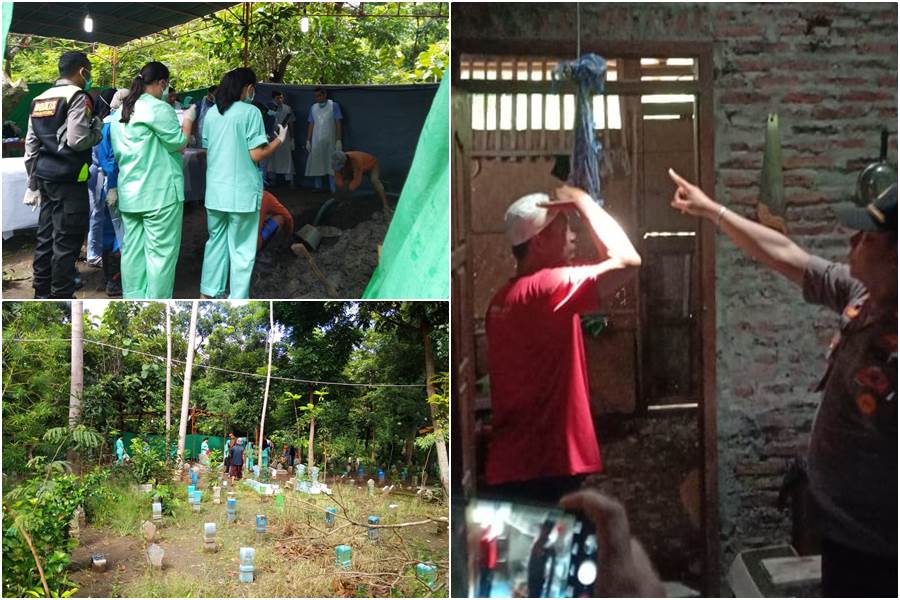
point(146, 148)
point(233, 180)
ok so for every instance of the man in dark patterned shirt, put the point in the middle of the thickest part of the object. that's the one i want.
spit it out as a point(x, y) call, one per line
point(853, 446)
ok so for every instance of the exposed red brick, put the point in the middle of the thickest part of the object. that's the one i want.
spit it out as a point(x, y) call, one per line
point(808, 197)
point(740, 31)
point(879, 48)
point(867, 96)
point(743, 98)
point(849, 143)
point(803, 162)
point(852, 111)
point(798, 98)
point(740, 180)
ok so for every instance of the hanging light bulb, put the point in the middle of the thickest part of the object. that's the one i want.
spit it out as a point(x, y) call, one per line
point(88, 23)
point(304, 24)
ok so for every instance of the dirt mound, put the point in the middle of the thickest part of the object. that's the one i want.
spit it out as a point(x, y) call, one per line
point(348, 261)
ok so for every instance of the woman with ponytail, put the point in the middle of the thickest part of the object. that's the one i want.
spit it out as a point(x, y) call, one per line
point(235, 137)
point(147, 141)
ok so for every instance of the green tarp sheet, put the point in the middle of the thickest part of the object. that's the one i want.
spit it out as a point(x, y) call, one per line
point(191, 444)
point(415, 258)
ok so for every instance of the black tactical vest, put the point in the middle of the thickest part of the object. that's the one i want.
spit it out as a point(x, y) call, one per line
point(56, 161)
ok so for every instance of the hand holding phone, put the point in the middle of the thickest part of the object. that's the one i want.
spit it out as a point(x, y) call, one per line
point(627, 570)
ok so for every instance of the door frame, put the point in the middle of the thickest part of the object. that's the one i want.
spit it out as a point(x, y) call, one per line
point(705, 176)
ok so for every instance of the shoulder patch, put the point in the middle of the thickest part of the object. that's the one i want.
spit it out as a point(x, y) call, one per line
point(45, 108)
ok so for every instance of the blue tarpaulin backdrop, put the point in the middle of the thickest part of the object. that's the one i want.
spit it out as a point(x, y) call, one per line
point(383, 120)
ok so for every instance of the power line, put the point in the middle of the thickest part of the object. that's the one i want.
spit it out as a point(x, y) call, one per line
point(162, 358)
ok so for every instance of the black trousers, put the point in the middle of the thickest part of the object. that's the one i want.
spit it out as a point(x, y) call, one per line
point(62, 225)
point(848, 573)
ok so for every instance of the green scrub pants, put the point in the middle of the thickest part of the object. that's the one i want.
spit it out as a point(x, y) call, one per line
point(150, 252)
point(230, 250)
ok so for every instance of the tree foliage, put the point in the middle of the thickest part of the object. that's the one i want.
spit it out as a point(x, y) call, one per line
point(344, 45)
point(324, 343)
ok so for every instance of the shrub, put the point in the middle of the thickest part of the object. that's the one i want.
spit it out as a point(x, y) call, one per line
point(42, 508)
point(148, 464)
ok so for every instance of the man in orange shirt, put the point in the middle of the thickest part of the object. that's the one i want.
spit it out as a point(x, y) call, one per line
point(273, 217)
point(348, 171)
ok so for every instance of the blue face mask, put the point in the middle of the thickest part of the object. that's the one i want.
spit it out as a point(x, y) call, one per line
point(249, 99)
point(323, 103)
point(272, 113)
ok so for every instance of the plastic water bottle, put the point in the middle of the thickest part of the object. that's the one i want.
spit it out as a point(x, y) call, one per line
point(157, 511)
point(373, 531)
point(231, 509)
point(194, 478)
point(371, 485)
point(247, 556)
point(330, 513)
point(314, 475)
point(380, 475)
point(342, 554)
point(261, 523)
point(209, 537)
point(191, 489)
point(301, 470)
point(279, 501)
point(198, 496)
point(427, 573)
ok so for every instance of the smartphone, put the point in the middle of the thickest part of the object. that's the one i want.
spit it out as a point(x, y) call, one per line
point(529, 551)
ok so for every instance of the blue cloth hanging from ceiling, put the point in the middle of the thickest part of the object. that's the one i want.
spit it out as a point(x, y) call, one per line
point(589, 74)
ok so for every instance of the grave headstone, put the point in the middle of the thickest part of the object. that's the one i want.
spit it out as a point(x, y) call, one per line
point(148, 530)
point(155, 555)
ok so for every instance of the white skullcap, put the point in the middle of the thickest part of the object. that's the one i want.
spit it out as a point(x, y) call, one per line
point(525, 218)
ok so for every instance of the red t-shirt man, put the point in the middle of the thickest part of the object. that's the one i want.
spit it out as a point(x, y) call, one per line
point(542, 431)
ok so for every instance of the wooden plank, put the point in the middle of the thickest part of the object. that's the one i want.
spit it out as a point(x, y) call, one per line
point(515, 102)
point(794, 569)
point(707, 252)
point(613, 88)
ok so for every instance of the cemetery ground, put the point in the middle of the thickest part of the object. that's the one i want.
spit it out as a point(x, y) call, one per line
point(296, 557)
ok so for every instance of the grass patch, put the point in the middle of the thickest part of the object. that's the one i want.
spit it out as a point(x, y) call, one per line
point(297, 556)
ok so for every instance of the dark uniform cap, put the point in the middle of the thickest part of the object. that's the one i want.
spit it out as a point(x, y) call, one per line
point(879, 215)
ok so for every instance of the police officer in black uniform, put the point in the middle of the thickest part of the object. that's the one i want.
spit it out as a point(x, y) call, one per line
point(61, 132)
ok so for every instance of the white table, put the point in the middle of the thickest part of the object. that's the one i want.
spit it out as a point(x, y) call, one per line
point(16, 215)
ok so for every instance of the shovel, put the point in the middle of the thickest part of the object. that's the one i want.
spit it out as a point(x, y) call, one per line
point(300, 250)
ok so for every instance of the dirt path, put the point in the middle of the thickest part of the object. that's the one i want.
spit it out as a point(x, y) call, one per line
point(348, 260)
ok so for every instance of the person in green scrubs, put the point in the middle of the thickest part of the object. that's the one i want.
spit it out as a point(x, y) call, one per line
point(235, 138)
point(146, 142)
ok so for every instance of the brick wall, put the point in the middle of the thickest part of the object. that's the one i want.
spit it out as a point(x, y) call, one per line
point(830, 71)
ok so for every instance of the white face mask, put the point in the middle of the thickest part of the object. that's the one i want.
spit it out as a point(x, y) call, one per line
point(165, 94)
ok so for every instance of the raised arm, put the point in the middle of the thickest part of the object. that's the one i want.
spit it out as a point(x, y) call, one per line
point(609, 238)
point(618, 258)
point(768, 246)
